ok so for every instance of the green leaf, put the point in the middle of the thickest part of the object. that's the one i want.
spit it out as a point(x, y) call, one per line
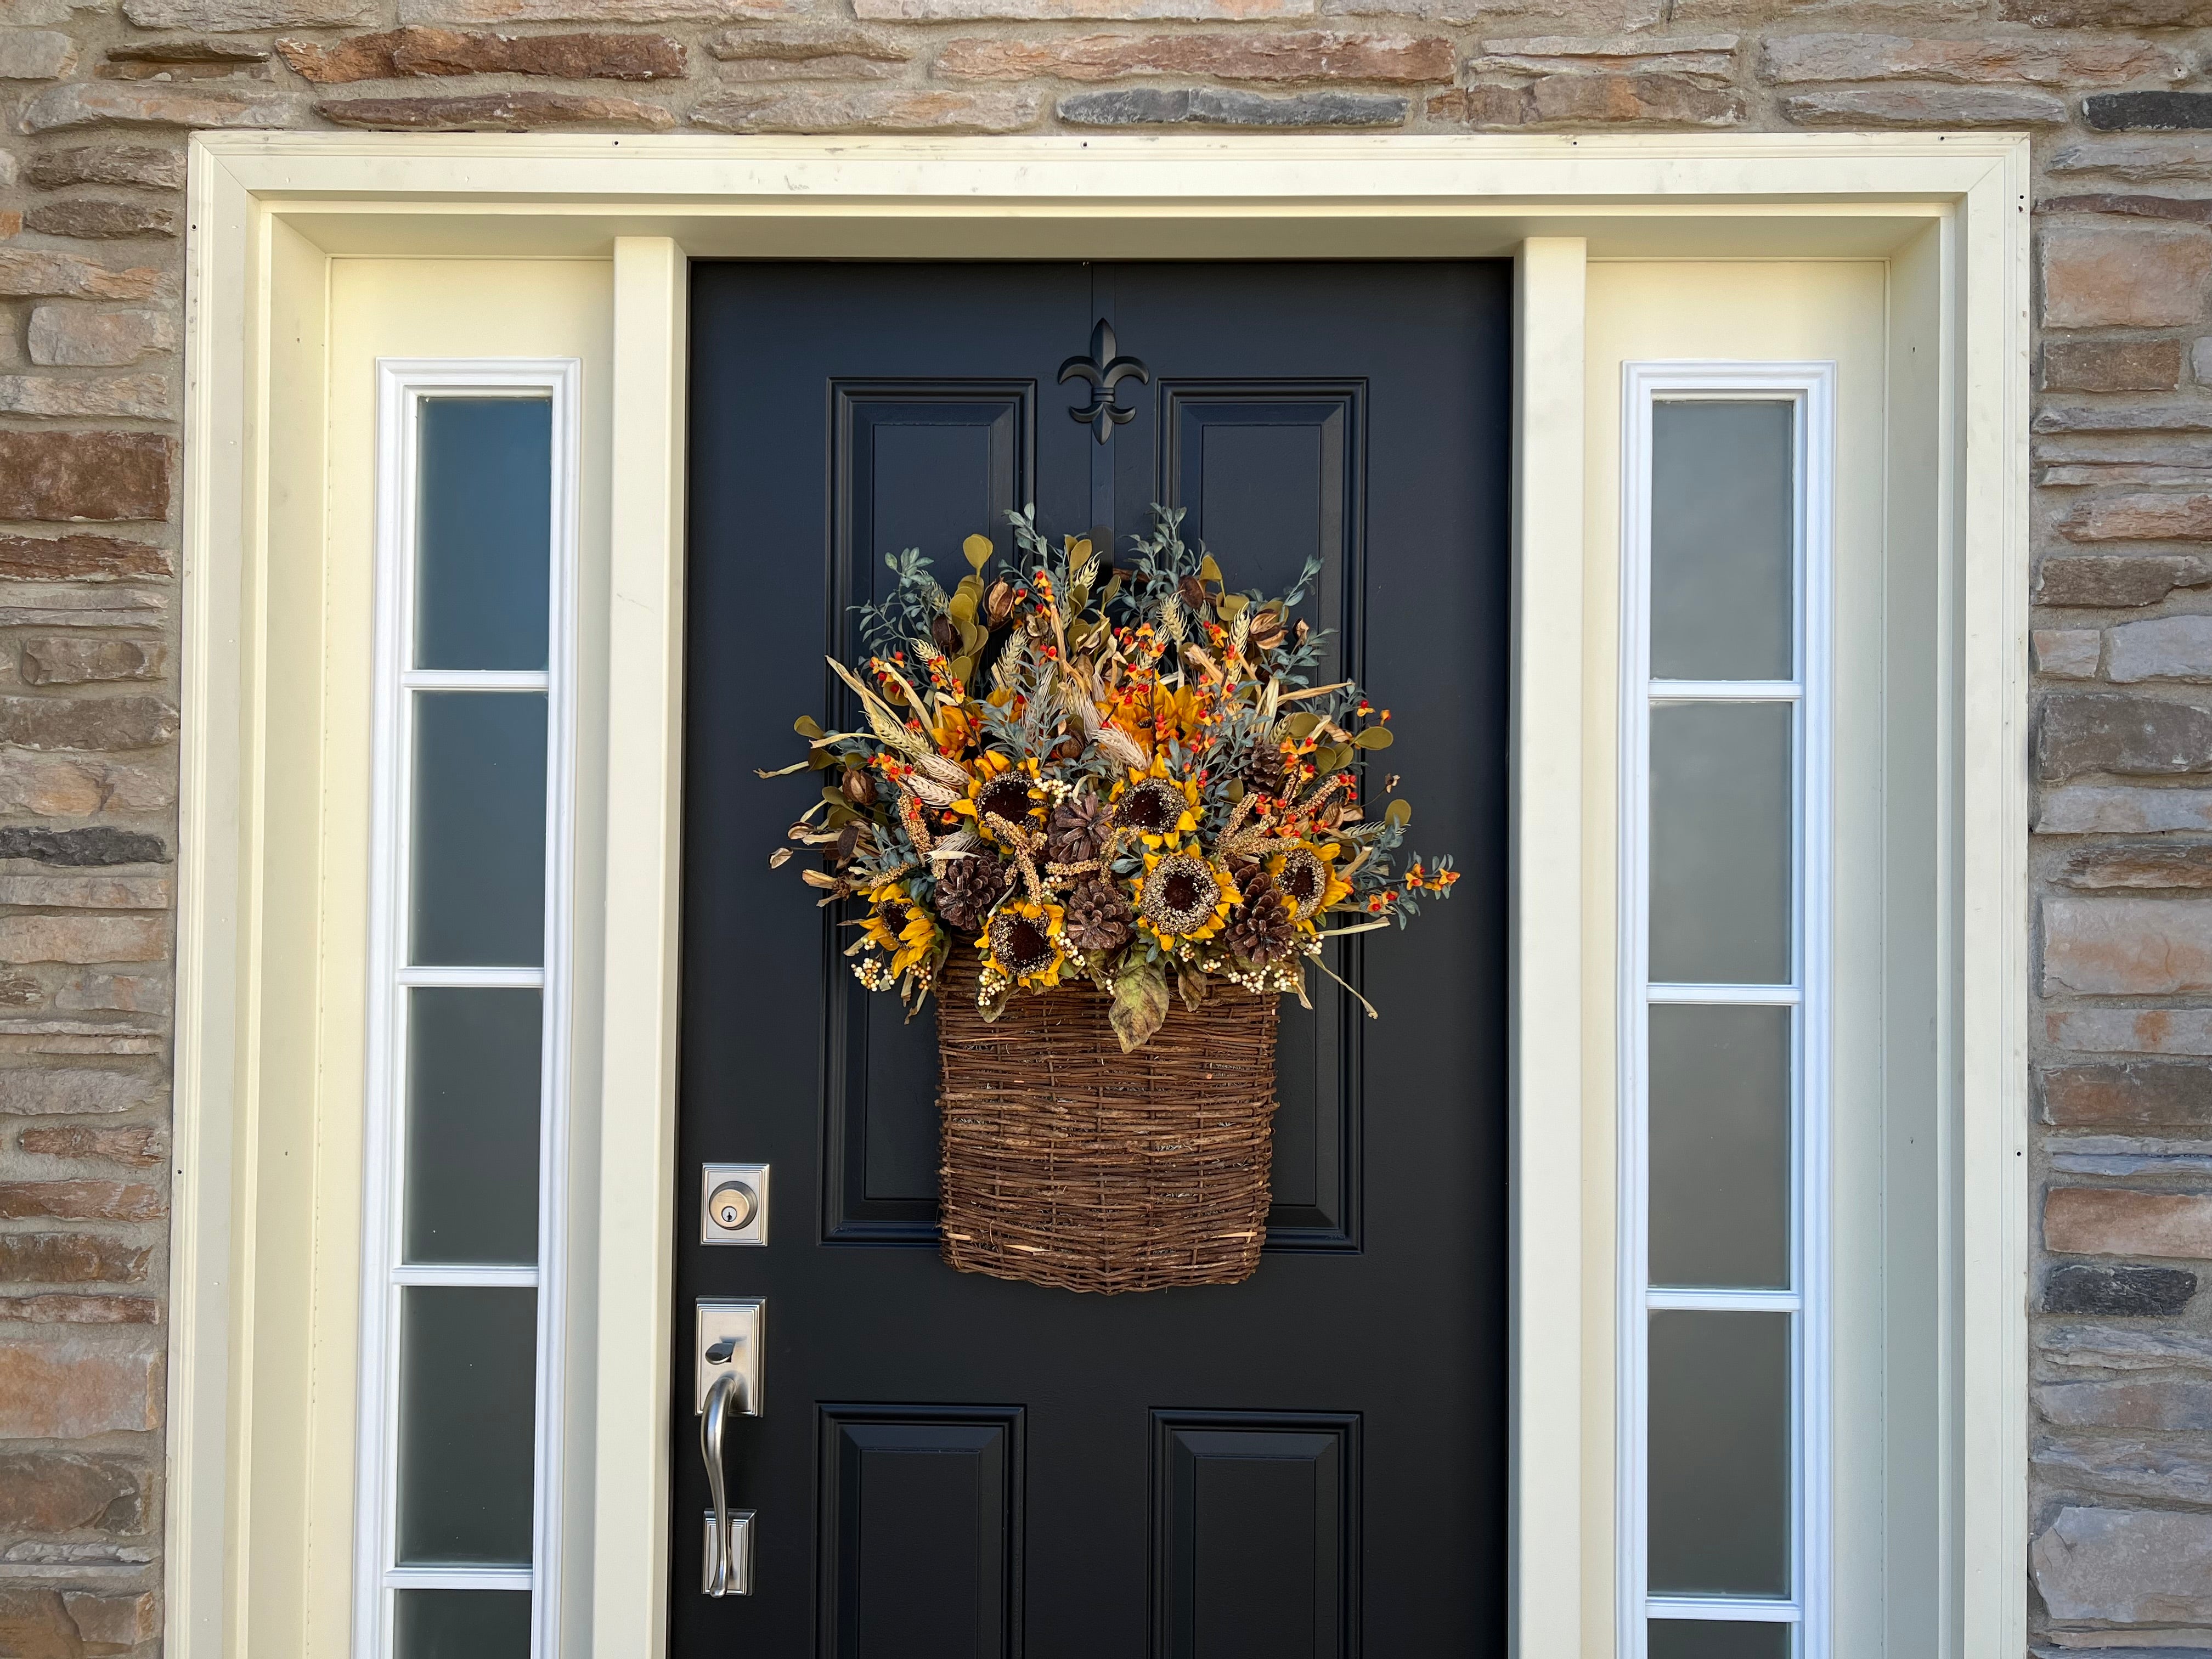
point(962, 609)
point(1140, 1005)
point(1301, 726)
point(805, 727)
point(1331, 758)
point(1375, 737)
point(994, 1005)
point(978, 550)
point(963, 670)
point(1399, 813)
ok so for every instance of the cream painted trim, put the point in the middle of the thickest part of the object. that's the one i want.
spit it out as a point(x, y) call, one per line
point(267, 211)
point(637, 1144)
point(1991, 426)
point(1547, 1148)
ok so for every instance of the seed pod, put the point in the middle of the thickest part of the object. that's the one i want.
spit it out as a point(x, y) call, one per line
point(999, 603)
point(946, 635)
point(1192, 591)
point(859, 789)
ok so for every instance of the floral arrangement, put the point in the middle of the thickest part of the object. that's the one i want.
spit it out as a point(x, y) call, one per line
point(1117, 773)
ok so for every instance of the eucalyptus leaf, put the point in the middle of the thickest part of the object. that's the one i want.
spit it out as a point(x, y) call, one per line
point(1301, 726)
point(1140, 1005)
point(978, 550)
point(1399, 813)
point(1375, 737)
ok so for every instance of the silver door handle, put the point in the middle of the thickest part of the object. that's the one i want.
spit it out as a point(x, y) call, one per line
point(729, 1537)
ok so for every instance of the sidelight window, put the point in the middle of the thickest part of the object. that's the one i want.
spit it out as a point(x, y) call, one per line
point(460, 1376)
point(1724, 1044)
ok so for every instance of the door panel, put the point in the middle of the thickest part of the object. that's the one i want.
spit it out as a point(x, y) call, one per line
point(920, 1516)
point(1255, 1529)
point(1269, 472)
point(1308, 1462)
point(922, 463)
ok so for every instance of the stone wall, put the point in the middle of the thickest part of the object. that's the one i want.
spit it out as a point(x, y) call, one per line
point(94, 103)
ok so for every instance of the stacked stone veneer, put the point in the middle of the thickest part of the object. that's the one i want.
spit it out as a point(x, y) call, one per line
point(94, 103)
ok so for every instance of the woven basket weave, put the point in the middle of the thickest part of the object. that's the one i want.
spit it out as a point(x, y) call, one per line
point(1068, 1163)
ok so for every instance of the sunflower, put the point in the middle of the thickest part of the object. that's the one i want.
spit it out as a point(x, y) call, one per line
point(1306, 877)
point(1023, 943)
point(1155, 805)
point(902, 930)
point(1003, 789)
point(1181, 896)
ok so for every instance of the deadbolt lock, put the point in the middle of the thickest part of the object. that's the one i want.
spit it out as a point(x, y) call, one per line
point(733, 1204)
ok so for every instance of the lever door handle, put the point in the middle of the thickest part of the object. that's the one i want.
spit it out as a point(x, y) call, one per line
point(729, 1570)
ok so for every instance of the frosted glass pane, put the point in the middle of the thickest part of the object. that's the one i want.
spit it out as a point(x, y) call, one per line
point(1719, 1435)
point(1701, 1638)
point(1722, 484)
point(1721, 843)
point(485, 533)
point(1720, 1146)
point(468, 1384)
point(472, 1091)
point(449, 1624)
point(479, 846)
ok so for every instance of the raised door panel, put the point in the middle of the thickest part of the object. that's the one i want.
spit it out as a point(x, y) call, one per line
point(921, 1532)
point(912, 465)
point(1270, 474)
point(1255, 1529)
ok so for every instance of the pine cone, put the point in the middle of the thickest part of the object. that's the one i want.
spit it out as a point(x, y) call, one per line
point(1259, 929)
point(1264, 771)
point(1077, 833)
point(1097, 918)
point(968, 887)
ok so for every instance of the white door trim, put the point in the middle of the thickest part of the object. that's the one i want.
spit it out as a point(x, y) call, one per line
point(269, 212)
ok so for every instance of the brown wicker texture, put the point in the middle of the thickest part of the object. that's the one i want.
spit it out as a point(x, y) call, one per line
point(1068, 1163)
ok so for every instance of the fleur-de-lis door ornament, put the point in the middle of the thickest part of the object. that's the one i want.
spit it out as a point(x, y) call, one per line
point(1105, 371)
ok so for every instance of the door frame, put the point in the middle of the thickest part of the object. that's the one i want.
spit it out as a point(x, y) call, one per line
point(247, 1567)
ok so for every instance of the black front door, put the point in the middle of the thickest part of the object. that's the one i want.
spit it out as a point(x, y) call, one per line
point(1309, 1463)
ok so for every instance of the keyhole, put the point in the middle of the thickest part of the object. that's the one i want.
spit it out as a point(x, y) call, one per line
point(732, 1205)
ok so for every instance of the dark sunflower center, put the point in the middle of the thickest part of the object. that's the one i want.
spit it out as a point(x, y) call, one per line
point(1028, 946)
point(1150, 807)
point(1005, 797)
point(1301, 881)
point(1180, 891)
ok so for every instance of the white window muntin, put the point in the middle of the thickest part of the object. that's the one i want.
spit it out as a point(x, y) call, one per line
point(403, 386)
point(1809, 389)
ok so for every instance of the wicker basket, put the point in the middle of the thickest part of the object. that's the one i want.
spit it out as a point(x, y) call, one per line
point(1071, 1163)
